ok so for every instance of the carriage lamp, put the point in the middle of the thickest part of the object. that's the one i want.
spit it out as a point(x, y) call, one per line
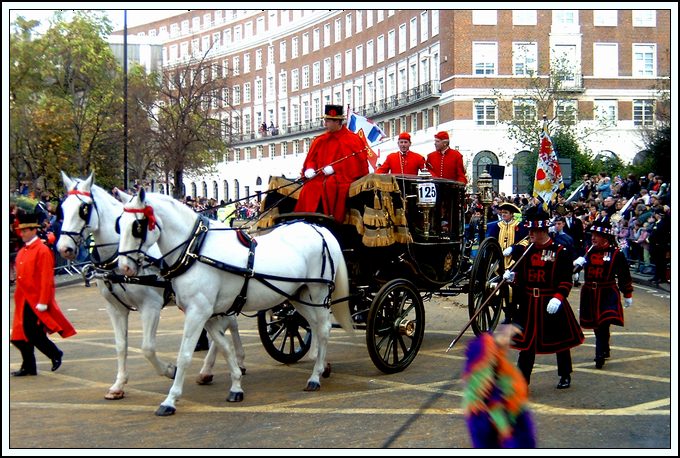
point(484, 187)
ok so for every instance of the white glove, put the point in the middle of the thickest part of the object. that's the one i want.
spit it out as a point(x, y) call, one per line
point(509, 276)
point(580, 261)
point(328, 170)
point(41, 307)
point(627, 302)
point(507, 251)
point(576, 277)
point(553, 305)
point(309, 173)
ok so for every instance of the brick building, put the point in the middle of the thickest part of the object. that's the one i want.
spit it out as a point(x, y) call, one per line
point(421, 71)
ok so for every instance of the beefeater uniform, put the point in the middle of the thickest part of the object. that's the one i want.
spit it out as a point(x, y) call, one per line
point(328, 193)
point(544, 273)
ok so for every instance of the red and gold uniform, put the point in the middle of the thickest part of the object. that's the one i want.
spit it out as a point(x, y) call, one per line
point(328, 193)
point(404, 164)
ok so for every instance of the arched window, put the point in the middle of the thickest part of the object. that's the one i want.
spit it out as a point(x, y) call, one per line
point(215, 190)
point(205, 189)
point(193, 190)
point(522, 173)
point(225, 185)
point(479, 165)
point(237, 193)
point(258, 182)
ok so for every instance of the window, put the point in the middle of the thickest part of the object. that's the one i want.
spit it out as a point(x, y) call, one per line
point(305, 76)
point(272, 151)
point(295, 79)
point(316, 44)
point(237, 65)
point(524, 58)
point(566, 111)
point(348, 25)
point(248, 29)
point(435, 31)
point(216, 39)
point(246, 93)
point(305, 43)
point(348, 62)
point(485, 112)
point(338, 66)
point(296, 114)
point(283, 82)
point(226, 37)
point(369, 18)
point(643, 112)
point(338, 30)
point(484, 58)
point(260, 25)
point(423, 26)
point(524, 110)
point(207, 21)
point(605, 60)
point(565, 17)
point(326, 35)
point(270, 55)
point(523, 17)
point(282, 50)
point(258, 90)
point(402, 38)
point(225, 96)
point(258, 59)
point(390, 43)
point(644, 60)
point(327, 69)
point(360, 20)
point(381, 16)
point(238, 34)
point(294, 47)
point(284, 149)
point(195, 49)
point(605, 18)
point(606, 111)
point(316, 73)
point(369, 53)
point(246, 63)
point(644, 18)
point(381, 48)
point(359, 58)
point(484, 17)
point(413, 32)
point(236, 91)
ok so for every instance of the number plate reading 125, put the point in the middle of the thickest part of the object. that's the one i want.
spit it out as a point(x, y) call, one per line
point(427, 193)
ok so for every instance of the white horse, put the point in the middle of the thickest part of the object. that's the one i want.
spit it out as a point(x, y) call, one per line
point(213, 272)
point(89, 210)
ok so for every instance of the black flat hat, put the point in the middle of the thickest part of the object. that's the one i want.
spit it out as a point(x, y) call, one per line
point(536, 217)
point(28, 221)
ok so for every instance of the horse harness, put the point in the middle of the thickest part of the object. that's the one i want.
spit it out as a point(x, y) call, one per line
point(192, 254)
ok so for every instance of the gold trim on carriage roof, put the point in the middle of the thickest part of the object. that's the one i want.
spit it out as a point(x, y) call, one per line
point(374, 182)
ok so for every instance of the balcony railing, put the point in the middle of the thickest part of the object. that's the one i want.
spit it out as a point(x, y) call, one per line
point(401, 101)
point(567, 83)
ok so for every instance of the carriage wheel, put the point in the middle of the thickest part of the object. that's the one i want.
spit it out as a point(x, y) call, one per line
point(285, 334)
point(487, 272)
point(395, 326)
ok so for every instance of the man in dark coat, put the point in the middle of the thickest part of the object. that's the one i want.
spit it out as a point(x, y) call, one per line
point(542, 283)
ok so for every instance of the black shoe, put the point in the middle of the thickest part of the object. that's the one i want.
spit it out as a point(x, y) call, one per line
point(565, 382)
point(599, 362)
point(606, 354)
point(56, 363)
point(577, 284)
point(23, 372)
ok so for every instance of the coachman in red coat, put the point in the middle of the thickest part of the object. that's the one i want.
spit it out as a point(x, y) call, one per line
point(36, 311)
point(335, 159)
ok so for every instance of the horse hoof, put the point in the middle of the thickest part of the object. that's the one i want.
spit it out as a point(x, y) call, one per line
point(243, 370)
point(235, 396)
point(165, 411)
point(326, 372)
point(114, 395)
point(204, 379)
point(313, 386)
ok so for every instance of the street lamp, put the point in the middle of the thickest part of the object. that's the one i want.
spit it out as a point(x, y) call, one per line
point(484, 186)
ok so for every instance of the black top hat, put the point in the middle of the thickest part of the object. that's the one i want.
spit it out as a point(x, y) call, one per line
point(512, 208)
point(333, 112)
point(28, 221)
point(602, 225)
point(536, 218)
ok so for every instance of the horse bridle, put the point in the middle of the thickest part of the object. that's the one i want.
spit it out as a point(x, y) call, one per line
point(140, 229)
point(84, 212)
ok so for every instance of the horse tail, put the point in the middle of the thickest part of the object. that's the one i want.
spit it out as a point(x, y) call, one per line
point(340, 309)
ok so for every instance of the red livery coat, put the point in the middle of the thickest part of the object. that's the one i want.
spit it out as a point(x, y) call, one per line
point(448, 165)
point(397, 163)
point(35, 285)
point(600, 295)
point(331, 191)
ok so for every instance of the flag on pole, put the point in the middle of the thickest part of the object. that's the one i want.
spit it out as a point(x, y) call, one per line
point(369, 132)
point(548, 180)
